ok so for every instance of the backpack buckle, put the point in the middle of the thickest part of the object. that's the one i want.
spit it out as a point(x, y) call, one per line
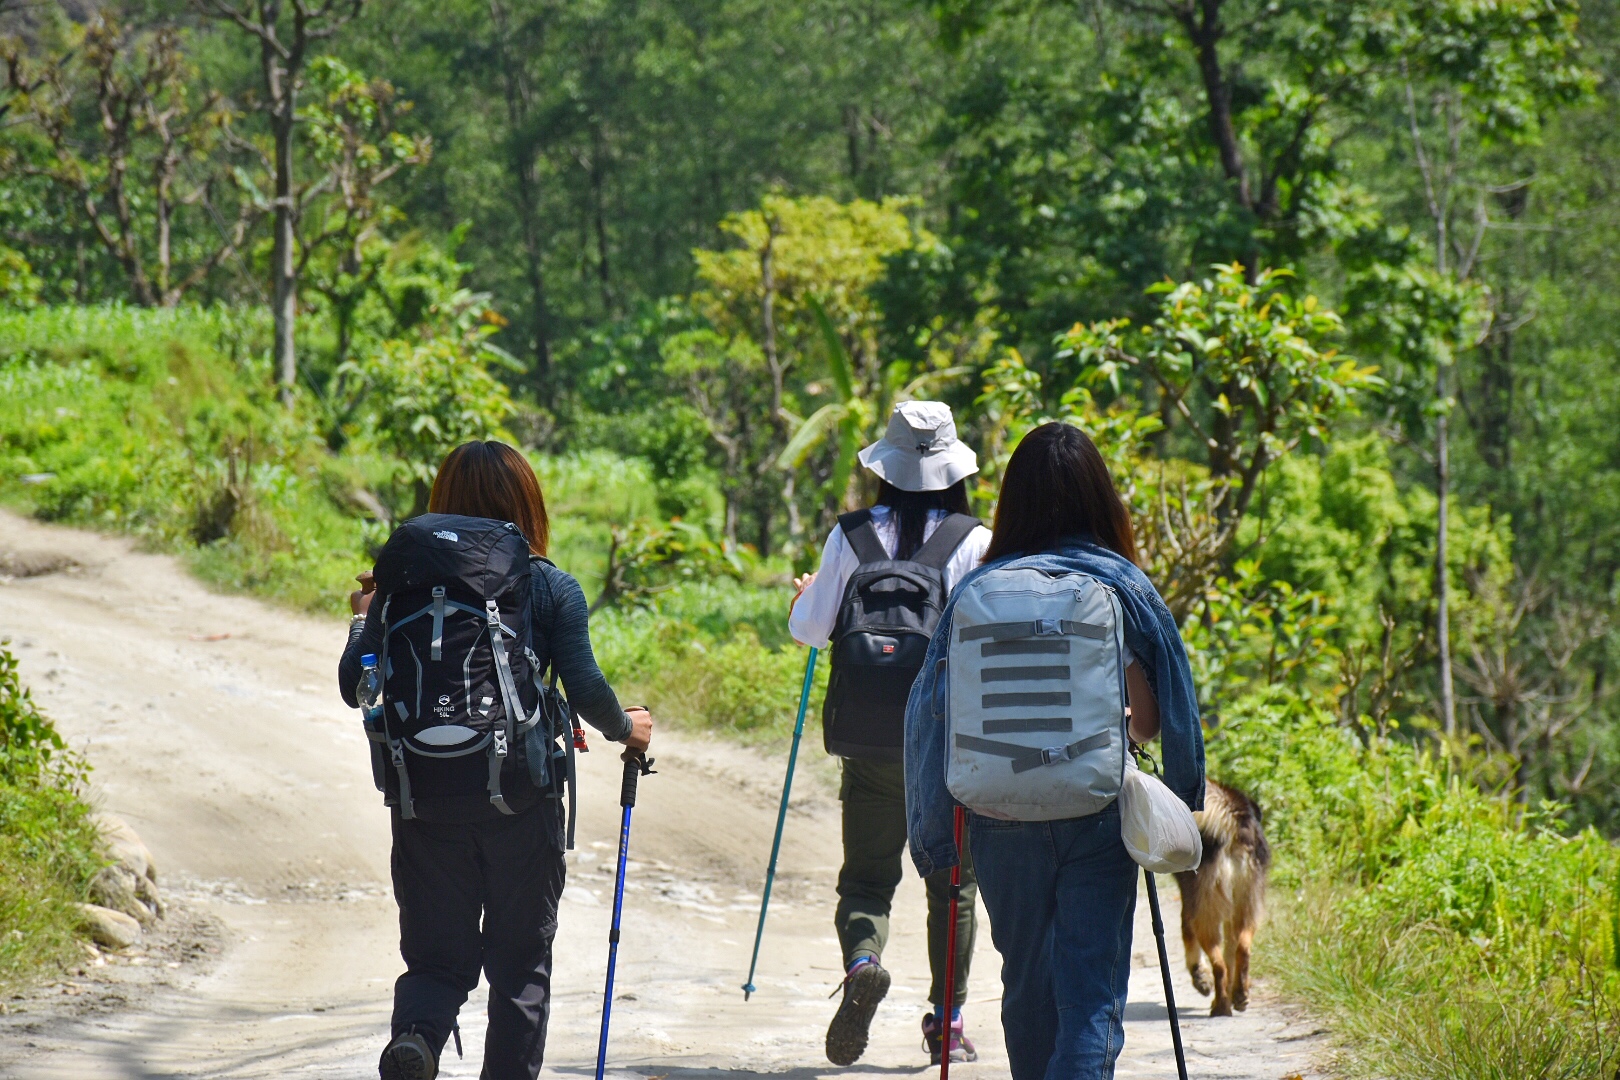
point(1048, 628)
point(1053, 754)
point(500, 744)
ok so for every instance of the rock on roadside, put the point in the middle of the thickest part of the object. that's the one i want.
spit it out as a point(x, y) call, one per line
point(108, 928)
point(129, 885)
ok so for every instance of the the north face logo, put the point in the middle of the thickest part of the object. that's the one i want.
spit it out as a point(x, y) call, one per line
point(887, 649)
point(446, 534)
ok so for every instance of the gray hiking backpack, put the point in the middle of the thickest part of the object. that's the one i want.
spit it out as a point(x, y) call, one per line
point(1036, 706)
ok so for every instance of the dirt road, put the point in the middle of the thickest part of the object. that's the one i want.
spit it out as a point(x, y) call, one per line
point(236, 761)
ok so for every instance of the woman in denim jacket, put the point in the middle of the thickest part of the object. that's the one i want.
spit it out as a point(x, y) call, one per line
point(1061, 895)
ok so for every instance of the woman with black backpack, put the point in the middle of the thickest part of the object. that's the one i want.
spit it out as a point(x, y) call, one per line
point(885, 574)
point(472, 610)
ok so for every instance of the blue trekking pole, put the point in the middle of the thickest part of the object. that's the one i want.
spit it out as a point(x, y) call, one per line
point(781, 818)
point(635, 765)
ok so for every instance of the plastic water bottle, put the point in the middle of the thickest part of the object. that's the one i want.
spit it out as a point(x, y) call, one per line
point(369, 692)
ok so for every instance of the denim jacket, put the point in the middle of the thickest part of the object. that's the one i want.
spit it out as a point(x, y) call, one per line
point(1150, 633)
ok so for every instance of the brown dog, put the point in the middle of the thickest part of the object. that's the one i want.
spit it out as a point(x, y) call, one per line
point(1223, 901)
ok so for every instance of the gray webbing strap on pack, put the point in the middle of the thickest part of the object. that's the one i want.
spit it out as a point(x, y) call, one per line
point(436, 651)
point(1025, 758)
point(1035, 628)
point(503, 738)
point(407, 808)
point(1020, 724)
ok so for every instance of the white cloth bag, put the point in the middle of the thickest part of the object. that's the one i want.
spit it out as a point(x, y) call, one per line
point(1158, 829)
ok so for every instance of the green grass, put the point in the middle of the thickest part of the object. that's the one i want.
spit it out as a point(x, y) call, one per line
point(1444, 932)
point(137, 421)
point(49, 848)
point(714, 656)
point(48, 852)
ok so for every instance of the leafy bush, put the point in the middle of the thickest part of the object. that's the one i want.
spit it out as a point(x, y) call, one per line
point(425, 395)
point(49, 848)
point(697, 657)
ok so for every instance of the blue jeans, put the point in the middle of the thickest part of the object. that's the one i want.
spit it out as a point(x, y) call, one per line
point(1061, 897)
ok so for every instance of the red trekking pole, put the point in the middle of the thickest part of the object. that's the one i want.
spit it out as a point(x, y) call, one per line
point(948, 1029)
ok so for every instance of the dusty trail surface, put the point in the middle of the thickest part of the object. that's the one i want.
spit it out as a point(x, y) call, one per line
point(237, 762)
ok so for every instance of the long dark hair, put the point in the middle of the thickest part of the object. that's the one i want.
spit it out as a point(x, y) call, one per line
point(1057, 485)
point(911, 508)
point(492, 480)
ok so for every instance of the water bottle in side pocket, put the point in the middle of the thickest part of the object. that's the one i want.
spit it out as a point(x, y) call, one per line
point(369, 693)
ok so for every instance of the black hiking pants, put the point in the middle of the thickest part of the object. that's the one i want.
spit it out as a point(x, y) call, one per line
point(874, 798)
point(480, 895)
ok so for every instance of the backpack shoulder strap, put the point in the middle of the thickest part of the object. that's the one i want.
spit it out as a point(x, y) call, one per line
point(948, 536)
point(862, 537)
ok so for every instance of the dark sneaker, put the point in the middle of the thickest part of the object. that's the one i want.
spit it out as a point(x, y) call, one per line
point(846, 1035)
point(962, 1048)
point(408, 1057)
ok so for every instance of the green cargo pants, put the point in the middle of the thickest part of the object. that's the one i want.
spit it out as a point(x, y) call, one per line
point(874, 798)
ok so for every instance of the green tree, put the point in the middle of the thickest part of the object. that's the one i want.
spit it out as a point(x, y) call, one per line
point(118, 124)
point(286, 34)
point(798, 285)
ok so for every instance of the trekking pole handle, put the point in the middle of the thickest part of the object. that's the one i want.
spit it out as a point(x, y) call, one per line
point(635, 766)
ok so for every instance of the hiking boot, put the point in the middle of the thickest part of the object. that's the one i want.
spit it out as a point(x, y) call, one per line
point(864, 987)
point(962, 1048)
point(408, 1057)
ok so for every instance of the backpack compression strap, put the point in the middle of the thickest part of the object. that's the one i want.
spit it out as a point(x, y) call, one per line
point(551, 736)
point(1024, 758)
point(503, 738)
point(948, 536)
point(396, 747)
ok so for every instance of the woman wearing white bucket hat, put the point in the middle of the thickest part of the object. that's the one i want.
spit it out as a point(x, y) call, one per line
point(885, 575)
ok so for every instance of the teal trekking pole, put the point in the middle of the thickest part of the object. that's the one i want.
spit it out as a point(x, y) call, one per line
point(781, 818)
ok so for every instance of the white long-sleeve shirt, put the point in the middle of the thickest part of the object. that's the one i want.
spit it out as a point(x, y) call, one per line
point(816, 612)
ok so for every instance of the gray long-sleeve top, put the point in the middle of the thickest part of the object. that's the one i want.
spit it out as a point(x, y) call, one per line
point(561, 622)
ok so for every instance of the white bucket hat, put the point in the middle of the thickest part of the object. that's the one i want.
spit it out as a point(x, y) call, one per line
point(920, 451)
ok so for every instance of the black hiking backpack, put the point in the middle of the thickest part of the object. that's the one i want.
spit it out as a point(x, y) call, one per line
point(889, 612)
point(466, 713)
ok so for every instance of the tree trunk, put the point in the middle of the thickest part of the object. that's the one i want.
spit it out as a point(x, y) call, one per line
point(1205, 31)
point(281, 90)
point(521, 160)
point(1442, 553)
point(767, 319)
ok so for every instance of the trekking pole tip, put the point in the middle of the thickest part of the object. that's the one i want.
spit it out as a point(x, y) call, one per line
point(748, 991)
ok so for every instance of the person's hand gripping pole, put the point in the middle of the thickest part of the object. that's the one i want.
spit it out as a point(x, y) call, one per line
point(636, 765)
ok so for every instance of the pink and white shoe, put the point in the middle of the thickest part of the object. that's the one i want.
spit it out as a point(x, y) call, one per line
point(962, 1048)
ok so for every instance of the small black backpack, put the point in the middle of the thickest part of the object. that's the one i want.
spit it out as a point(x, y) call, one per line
point(466, 712)
point(889, 612)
